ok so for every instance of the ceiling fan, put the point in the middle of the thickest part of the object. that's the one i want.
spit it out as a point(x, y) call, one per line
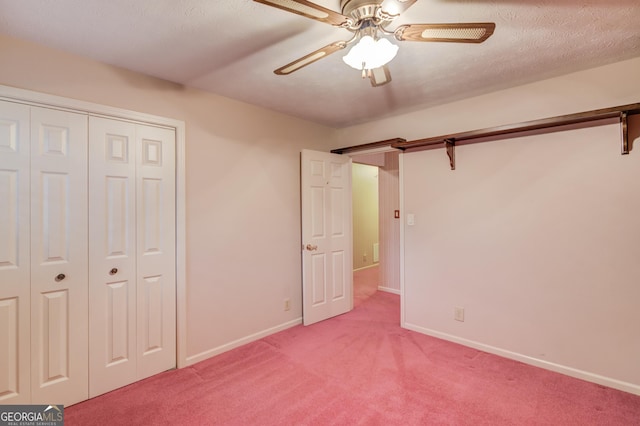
point(369, 21)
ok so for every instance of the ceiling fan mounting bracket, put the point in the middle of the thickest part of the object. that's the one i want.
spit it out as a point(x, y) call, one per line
point(361, 10)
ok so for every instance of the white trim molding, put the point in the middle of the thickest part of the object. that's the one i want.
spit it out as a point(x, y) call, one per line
point(558, 368)
point(403, 214)
point(194, 359)
point(389, 290)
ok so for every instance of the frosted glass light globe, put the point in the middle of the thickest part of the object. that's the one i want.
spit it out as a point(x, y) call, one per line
point(369, 53)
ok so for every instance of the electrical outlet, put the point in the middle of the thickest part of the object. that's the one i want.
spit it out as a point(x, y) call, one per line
point(458, 314)
point(287, 304)
point(364, 257)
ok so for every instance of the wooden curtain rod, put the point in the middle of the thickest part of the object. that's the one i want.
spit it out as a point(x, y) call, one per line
point(562, 120)
point(545, 123)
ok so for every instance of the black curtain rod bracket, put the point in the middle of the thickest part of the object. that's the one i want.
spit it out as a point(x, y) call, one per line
point(451, 152)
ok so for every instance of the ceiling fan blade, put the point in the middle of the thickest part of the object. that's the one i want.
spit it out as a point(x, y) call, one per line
point(454, 33)
point(311, 58)
point(394, 8)
point(309, 10)
point(379, 76)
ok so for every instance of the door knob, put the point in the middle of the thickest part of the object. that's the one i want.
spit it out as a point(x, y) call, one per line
point(311, 248)
point(113, 271)
point(60, 277)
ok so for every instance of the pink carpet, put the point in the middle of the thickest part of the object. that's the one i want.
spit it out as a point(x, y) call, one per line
point(360, 368)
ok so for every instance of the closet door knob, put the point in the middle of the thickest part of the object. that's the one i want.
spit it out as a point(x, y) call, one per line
point(113, 271)
point(60, 277)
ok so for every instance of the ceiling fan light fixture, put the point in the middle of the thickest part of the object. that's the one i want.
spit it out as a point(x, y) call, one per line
point(369, 53)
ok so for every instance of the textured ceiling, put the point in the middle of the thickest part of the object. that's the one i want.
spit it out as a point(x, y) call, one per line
point(231, 47)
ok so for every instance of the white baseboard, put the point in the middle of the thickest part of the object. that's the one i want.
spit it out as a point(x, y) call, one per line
point(366, 267)
point(193, 359)
point(390, 290)
point(558, 368)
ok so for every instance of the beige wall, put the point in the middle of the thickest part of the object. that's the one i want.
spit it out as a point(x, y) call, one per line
point(243, 202)
point(533, 236)
point(365, 214)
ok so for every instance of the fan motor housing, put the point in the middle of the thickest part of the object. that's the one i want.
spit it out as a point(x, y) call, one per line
point(360, 9)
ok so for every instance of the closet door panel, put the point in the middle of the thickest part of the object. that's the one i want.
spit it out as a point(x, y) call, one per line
point(59, 270)
point(156, 282)
point(14, 254)
point(112, 268)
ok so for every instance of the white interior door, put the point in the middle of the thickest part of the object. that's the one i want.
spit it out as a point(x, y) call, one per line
point(156, 249)
point(14, 254)
point(112, 255)
point(59, 270)
point(327, 259)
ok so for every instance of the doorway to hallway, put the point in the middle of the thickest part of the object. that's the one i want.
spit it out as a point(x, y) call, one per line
point(376, 217)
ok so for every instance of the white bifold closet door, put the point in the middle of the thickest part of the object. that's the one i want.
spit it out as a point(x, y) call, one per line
point(15, 265)
point(131, 252)
point(87, 254)
point(59, 264)
point(43, 255)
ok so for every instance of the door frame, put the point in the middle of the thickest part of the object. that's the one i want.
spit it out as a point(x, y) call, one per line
point(383, 150)
point(28, 97)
